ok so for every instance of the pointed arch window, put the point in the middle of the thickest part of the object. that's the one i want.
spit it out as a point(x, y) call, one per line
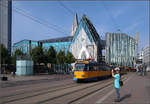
point(83, 55)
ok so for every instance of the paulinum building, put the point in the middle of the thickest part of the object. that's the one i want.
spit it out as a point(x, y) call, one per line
point(84, 41)
point(5, 23)
point(120, 49)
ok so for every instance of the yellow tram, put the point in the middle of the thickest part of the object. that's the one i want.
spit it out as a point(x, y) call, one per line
point(89, 70)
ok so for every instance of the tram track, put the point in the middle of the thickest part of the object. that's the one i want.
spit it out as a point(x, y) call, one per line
point(38, 89)
point(28, 82)
point(77, 100)
point(51, 94)
point(71, 92)
point(55, 95)
point(71, 98)
point(64, 96)
point(28, 94)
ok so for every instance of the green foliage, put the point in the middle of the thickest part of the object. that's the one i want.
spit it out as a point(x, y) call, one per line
point(17, 53)
point(60, 57)
point(51, 55)
point(5, 56)
point(38, 55)
point(69, 58)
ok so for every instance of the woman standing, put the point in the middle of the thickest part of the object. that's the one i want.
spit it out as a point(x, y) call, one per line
point(116, 82)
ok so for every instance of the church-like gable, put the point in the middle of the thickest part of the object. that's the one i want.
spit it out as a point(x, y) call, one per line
point(85, 41)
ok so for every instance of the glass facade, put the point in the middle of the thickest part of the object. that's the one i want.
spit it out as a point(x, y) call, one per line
point(120, 49)
point(25, 46)
point(64, 46)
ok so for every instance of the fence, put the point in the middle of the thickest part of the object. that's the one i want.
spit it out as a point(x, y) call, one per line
point(53, 69)
point(7, 69)
point(61, 68)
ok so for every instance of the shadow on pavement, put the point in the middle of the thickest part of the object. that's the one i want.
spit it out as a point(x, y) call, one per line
point(125, 97)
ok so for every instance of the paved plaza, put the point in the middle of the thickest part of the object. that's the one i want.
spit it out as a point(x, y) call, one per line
point(135, 90)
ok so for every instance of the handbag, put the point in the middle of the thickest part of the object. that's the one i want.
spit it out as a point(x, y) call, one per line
point(121, 82)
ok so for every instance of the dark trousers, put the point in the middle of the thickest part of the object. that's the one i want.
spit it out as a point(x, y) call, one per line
point(118, 93)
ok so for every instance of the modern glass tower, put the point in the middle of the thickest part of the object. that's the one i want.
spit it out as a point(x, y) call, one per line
point(5, 23)
point(120, 49)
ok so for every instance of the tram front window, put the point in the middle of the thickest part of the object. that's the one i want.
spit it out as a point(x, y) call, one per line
point(80, 67)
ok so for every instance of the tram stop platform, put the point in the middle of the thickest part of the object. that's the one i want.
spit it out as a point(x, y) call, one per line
point(136, 90)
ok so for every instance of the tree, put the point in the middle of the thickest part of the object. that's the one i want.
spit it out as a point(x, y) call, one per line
point(5, 56)
point(51, 55)
point(17, 53)
point(60, 57)
point(38, 55)
point(69, 58)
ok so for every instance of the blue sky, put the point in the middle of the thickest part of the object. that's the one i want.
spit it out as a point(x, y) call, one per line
point(56, 18)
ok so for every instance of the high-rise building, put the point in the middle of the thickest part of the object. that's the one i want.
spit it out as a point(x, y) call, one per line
point(5, 23)
point(120, 49)
point(146, 55)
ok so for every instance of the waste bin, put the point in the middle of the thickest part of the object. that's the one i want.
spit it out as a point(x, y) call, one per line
point(4, 78)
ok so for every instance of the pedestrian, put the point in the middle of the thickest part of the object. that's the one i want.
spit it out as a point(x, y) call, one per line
point(13, 74)
point(140, 70)
point(116, 75)
point(137, 69)
point(145, 66)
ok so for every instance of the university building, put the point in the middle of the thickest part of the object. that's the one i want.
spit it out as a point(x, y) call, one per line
point(84, 41)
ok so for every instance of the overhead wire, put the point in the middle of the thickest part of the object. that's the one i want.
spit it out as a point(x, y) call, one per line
point(117, 27)
point(55, 27)
point(69, 10)
point(37, 19)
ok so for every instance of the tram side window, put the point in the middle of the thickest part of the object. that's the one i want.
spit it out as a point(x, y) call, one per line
point(79, 67)
point(100, 68)
point(91, 68)
point(95, 67)
point(103, 68)
point(106, 68)
point(86, 68)
point(109, 68)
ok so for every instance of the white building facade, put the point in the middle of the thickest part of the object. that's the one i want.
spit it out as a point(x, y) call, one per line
point(140, 55)
point(86, 43)
point(146, 55)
